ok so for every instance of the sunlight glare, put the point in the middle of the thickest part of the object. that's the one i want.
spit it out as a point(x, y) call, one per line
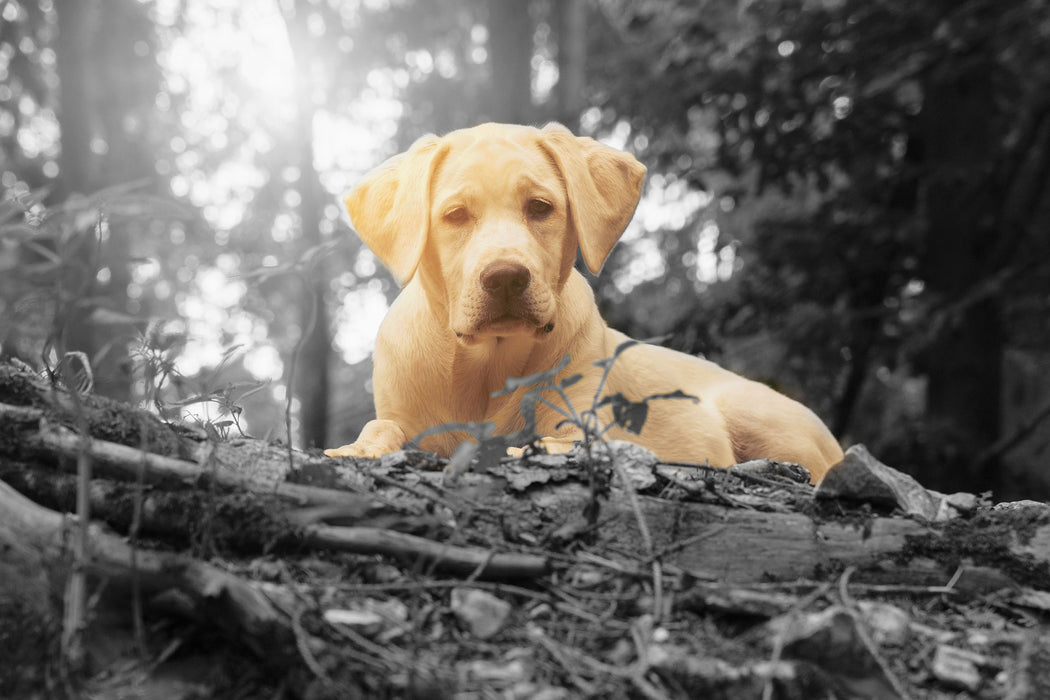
point(357, 322)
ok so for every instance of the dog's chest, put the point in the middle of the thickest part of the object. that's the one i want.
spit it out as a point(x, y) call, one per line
point(470, 399)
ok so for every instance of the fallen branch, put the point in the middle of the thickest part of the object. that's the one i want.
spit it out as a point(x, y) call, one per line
point(34, 538)
point(126, 463)
point(444, 557)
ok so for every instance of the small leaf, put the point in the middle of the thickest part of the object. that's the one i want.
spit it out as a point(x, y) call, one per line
point(676, 394)
point(607, 362)
point(611, 399)
point(631, 415)
point(625, 345)
point(569, 381)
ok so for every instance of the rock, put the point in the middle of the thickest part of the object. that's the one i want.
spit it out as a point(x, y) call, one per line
point(630, 452)
point(888, 624)
point(962, 501)
point(366, 622)
point(861, 477)
point(494, 674)
point(482, 613)
point(1032, 598)
point(830, 639)
point(522, 476)
point(957, 667)
point(370, 616)
point(637, 462)
point(1020, 505)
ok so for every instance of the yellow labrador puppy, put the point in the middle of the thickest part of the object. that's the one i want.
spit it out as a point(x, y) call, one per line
point(481, 227)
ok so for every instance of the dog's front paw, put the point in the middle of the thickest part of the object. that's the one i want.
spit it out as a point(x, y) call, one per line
point(357, 449)
point(377, 438)
point(550, 445)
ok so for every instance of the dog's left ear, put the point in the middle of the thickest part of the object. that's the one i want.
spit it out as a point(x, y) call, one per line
point(603, 186)
point(390, 207)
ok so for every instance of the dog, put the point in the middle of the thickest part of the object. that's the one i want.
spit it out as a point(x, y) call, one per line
point(482, 227)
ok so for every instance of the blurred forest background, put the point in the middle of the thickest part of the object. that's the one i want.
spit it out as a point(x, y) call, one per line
point(847, 199)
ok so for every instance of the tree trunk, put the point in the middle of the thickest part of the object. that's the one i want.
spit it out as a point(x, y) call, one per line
point(572, 60)
point(108, 79)
point(963, 364)
point(312, 372)
point(510, 55)
point(77, 24)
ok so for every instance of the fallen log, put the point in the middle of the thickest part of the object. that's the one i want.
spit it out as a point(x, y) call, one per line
point(35, 544)
point(711, 540)
point(130, 463)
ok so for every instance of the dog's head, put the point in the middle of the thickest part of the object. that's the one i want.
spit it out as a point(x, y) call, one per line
point(489, 219)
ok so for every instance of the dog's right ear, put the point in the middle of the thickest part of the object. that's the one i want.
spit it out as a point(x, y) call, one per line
point(390, 207)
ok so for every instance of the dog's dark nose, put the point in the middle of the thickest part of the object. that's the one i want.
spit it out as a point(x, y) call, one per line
point(505, 279)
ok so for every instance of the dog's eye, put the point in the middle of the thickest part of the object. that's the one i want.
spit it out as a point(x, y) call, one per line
point(539, 209)
point(457, 215)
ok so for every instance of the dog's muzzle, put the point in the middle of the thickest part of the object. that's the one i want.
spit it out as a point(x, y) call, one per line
point(508, 297)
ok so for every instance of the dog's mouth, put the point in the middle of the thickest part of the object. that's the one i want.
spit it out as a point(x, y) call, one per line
point(506, 325)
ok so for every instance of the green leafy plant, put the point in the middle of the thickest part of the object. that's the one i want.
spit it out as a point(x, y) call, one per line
point(488, 447)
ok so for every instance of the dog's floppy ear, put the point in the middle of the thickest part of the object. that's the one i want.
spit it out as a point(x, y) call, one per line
point(390, 207)
point(603, 185)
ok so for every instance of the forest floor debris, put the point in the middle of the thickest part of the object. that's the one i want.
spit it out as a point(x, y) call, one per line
point(746, 586)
